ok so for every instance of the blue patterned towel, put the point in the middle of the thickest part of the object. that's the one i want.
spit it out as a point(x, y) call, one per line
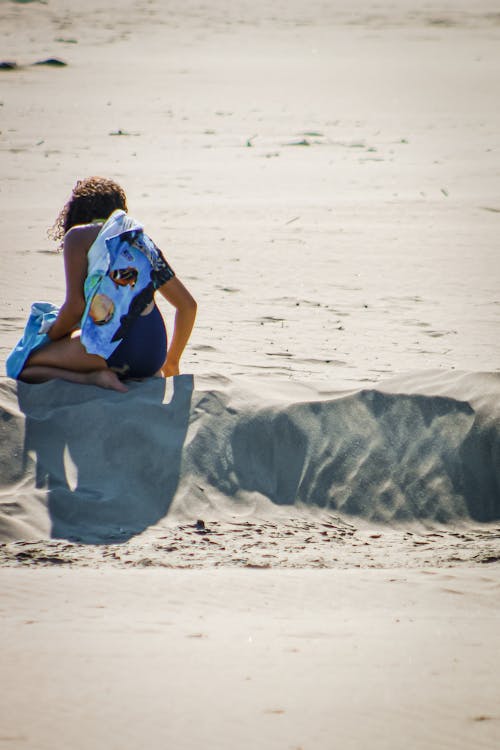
point(41, 317)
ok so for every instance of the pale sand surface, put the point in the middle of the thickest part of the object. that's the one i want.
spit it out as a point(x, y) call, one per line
point(245, 659)
point(323, 271)
point(371, 251)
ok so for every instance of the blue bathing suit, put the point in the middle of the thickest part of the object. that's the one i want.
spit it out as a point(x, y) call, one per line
point(143, 349)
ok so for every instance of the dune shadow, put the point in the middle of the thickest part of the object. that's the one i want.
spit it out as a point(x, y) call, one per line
point(379, 456)
point(109, 462)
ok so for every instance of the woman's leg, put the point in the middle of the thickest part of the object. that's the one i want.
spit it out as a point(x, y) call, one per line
point(67, 353)
point(67, 359)
point(105, 378)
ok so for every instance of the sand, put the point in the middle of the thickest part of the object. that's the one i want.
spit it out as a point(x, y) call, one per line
point(209, 473)
point(294, 544)
point(238, 658)
point(369, 252)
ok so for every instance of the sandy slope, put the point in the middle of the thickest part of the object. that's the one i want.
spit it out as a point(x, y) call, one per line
point(285, 472)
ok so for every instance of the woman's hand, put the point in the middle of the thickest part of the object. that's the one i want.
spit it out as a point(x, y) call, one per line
point(169, 369)
point(185, 312)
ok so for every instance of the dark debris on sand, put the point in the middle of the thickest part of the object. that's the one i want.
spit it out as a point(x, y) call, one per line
point(326, 542)
point(53, 62)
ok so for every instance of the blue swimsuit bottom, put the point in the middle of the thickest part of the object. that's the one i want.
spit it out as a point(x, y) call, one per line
point(144, 348)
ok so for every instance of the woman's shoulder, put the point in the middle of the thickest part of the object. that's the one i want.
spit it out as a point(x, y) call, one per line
point(81, 237)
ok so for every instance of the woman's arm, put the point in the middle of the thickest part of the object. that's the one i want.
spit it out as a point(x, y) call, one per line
point(176, 293)
point(76, 246)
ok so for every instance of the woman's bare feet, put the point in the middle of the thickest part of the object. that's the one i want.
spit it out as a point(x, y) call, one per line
point(103, 377)
point(106, 379)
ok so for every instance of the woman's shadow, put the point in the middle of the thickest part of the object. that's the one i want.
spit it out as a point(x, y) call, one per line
point(110, 462)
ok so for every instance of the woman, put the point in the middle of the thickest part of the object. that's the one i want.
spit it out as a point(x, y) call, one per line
point(109, 327)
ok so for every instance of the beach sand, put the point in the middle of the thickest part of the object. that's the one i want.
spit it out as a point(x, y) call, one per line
point(238, 658)
point(296, 543)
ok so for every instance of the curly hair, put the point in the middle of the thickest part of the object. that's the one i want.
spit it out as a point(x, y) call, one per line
point(92, 198)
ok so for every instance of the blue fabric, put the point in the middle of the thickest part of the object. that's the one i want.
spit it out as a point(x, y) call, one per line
point(125, 269)
point(143, 351)
point(41, 317)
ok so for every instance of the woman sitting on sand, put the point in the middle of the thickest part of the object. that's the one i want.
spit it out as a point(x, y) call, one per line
point(109, 327)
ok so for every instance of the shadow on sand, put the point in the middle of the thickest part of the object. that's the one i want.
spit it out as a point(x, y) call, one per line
point(110, 462)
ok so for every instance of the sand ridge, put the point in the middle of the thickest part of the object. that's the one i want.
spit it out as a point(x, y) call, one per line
point(418, 454)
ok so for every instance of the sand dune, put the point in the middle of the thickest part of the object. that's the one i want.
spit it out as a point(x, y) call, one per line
point(88, 465)
point(324, 178)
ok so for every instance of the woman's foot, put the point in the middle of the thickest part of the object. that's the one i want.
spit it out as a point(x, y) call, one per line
point(106, 379)
point(103, 377)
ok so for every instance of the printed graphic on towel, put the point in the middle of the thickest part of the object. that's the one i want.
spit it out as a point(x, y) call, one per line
point(136, 270)
point(160, 270)
point(102, 309)
point(124, 276)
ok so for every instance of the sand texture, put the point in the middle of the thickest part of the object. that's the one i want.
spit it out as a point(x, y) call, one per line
point(238, 658)
point(295, 544)
point(208, 474)
point(323, 176)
